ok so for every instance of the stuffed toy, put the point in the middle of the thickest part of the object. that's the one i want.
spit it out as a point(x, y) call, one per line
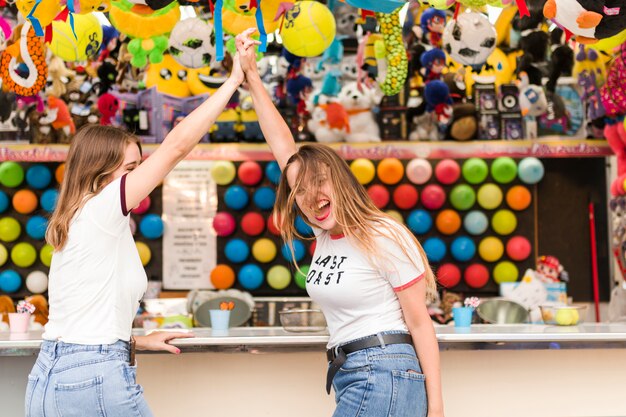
point(470, 39)
point(59, 76)
point(192, 43)
point(433, 63)
point(251, 131)
point(432, 24)
point(108, 105)
point(561, 60)
point(395, 54)
point(359, 103)
point(439, 102)
point(227, 126)
point(63, 122)
point(612, 91)
point(346, 17)
point(589, 20)
point(349, 68)
point(298, 89)
point(7, 107)
point(40, 125)
point(40, 14)
point(29, 50)
point(464, 124)
point(329, 122)
point(533, 100)
point(589, 80)
point(368, 59)
point(6, 307)
point(41, 308)
point(169, 77)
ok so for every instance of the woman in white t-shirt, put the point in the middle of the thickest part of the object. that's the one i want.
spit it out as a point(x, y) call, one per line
point(369, 274)
point(86, 363)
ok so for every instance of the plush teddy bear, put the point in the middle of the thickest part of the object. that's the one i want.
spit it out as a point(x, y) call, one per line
point(329, 122)
point(359, 103)
point(41, 308)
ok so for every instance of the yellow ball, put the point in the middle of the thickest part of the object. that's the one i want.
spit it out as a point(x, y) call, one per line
point(223, 172)
point(144, 253)
point(396, 216)
point(364, 170)
point(278, 277)
point(566, 316)
point(491, 249)
point(85, 45)
point(264, 250)
point(308, 29)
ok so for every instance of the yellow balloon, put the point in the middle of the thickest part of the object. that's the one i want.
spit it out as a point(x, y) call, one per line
point(264, 250)
point(144, 253)
point(396, 216)
point(490, 249)
point(223, 172)
point(85, 45)
point(364, 170)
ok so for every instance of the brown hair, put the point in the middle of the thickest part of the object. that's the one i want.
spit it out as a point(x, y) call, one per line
point(352, 207)
point(95, 153)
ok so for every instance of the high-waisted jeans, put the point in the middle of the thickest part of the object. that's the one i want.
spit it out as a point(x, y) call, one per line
point(84, 380)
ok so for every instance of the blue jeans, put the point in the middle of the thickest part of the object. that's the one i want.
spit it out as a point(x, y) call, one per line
point(84, 380)
point(381, 382)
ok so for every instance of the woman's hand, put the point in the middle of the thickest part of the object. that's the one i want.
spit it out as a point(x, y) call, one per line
point(246, 50)
point(237, 74)
point(159, 341)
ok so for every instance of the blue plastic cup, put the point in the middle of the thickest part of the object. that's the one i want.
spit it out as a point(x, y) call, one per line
point(462, 316)
point(220, 319)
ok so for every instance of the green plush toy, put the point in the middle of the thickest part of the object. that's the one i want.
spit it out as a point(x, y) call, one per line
point(397, 62)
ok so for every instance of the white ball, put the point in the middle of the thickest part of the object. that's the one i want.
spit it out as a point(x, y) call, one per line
point(37, 282)
point(470, 39)
point(192, 43)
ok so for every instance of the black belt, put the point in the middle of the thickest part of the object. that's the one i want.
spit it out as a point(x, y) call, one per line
point(338, 355)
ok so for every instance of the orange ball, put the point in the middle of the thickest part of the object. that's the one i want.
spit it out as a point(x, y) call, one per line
point(448, 222)
point(518, 198)
point(25, 201)
point(390, 171)
point(222, 277)
point(59, 173)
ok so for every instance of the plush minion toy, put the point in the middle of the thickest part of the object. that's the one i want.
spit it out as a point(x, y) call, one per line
point(169, 77)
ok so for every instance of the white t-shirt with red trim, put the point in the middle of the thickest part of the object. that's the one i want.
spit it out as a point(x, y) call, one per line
point(96, 280)
point(359, 299)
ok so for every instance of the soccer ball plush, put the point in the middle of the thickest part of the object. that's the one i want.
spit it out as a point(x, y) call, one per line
point(192, 43)
point(470, 39)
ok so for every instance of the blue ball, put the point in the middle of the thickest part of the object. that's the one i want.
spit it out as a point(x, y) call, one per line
point(250, 276)
point(298, 249)
point(530, 170)
point(36, 227)
point(476, 222)
point(236, 250)
point(303, 228)
point(151, 226)
point(272, 172)
point(435, 249)
point(10, 281)
point(236, 197)
point(264, 198)
point(463, 249)
point(38, 176)
point(419, 221)
point(49, 199)
point(4, 201)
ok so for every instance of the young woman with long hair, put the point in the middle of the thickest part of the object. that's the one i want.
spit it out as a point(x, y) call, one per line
point(86, 363)
point(369, 274)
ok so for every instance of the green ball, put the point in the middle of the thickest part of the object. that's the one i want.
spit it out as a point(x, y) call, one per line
point(11, 174)
point(23, 254)
point(504, 222)
point(462, 197)
point(505, 271)
point(475, 170)
point(278, 277)
point(10, 229)
point(45, 254)
point(489, 196)
point(504, 170)
point(4, 255)
point(300, 276)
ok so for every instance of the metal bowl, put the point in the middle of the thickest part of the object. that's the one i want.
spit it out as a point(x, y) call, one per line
point(498, 311)
point(302, 320)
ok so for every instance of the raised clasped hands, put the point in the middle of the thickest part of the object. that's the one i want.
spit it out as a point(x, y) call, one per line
point(246, 56)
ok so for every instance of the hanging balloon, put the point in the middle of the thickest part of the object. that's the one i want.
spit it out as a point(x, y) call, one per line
point(470, 39)
point(308, 29)
point(192, 43)
point(86, 44)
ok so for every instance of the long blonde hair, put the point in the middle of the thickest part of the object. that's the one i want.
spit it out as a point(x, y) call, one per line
point(95, 153)
point(352, 207)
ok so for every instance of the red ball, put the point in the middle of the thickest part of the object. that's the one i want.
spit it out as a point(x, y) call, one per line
point(252, 224)
point(312, 247)
point(448, 275)
point(143, 207)
point(476, 275)
point(433, 197)
point(518, 248)
point(405, 196)
point(379, 195)
point(250, 173)
point(224, 224)
point(271, 226)
point(447, 171)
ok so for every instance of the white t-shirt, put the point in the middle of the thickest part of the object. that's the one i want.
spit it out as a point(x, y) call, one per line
point(359, 299)
point(97, 279)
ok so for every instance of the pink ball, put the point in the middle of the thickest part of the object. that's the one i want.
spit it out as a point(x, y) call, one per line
point(405, 196)
point(143, 207)
point(419, 171)
point(448, 275)
point(476, 275)
point(447, 171)
point(224, 224)
point(433, 197)
point(379, 195)
point(518, 248)
point(250, 173)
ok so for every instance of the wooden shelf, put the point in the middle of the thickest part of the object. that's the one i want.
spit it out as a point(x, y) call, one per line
point(550, 147)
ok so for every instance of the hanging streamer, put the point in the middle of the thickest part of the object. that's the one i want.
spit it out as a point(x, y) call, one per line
point(219, 30)
point(72, 10)
point(523, 8)
point(34, 21)
point(261, 27)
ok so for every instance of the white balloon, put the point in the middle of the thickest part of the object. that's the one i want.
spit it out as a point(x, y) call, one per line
point(37, 282)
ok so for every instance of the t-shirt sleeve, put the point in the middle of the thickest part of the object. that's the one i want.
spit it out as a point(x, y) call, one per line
point(400, 270)
point(108, 208)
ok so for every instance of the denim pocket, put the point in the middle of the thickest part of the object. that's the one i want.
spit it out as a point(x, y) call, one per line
point(30, 389)
point(408, 394)
point(73, 399)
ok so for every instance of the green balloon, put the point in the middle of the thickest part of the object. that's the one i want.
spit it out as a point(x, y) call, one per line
point(504, 222)
point(505, 271)
point(10, 229)
point(278, 277)
point(475, 170)
point(45, 254)
point(11, 174)
point(504, 170)
point(489, 196)
point(23, 254)
point(4, 255)
point(462, 197)
point(300, 276)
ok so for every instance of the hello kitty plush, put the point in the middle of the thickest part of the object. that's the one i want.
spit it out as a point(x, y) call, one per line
point(359, 103)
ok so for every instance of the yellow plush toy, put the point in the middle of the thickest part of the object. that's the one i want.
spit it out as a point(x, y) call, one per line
point(169, 77)
point(40, 14)
point(87, 6)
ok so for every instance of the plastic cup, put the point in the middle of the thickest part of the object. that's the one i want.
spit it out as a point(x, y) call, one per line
point(18, 322)
point(220, 319)
point(462, 316)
